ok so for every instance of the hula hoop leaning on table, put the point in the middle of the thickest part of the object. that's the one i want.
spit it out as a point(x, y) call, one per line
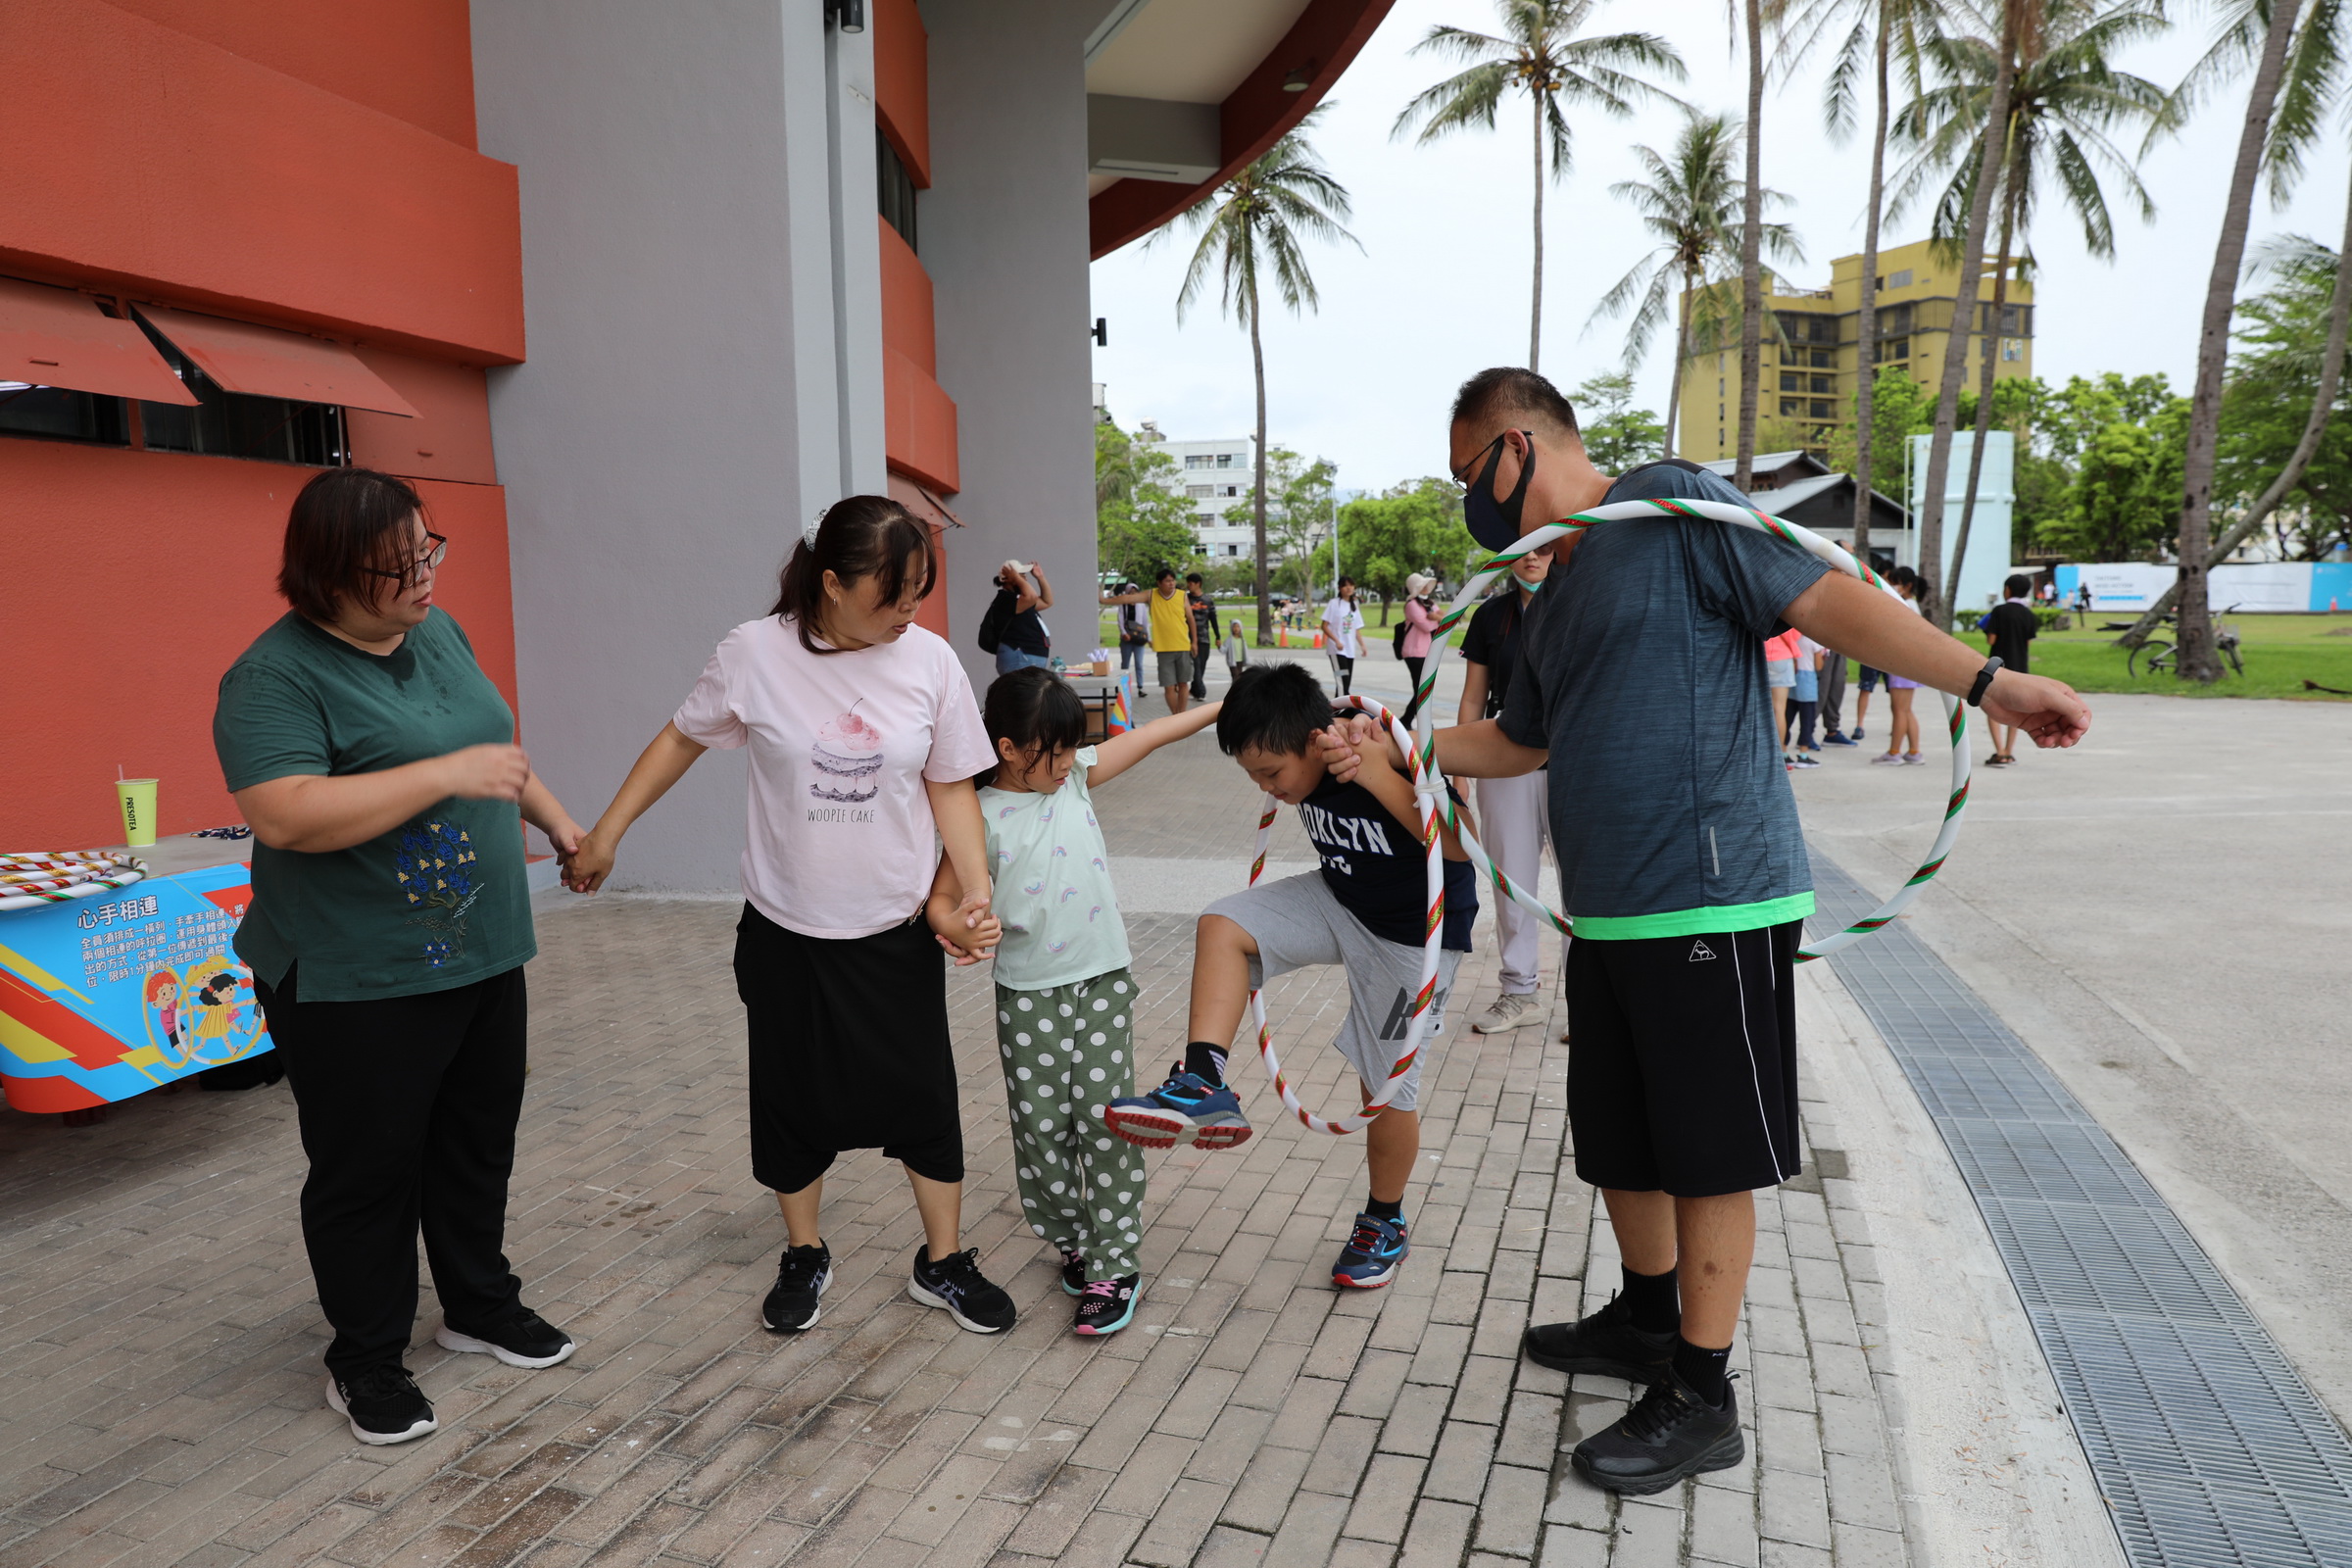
point(30, 881)
point(1434, 802)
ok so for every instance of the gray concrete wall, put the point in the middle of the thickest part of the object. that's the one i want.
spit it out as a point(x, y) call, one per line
point(682, 413)
point(1005, 240)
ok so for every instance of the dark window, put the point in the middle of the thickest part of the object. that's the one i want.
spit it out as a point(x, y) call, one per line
point(1824, 408)
point(1894, 321)
point(1791, 381)
point(1824, 358)
point(54, 411)
point(1894, 348)
point(897, 191)
point(1790, 408)
point(1824, 383)
point(230, 424)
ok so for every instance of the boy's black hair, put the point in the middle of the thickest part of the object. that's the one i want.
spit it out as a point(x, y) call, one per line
point(1165, 572)
point(1037, 711)
point(2018, 586)
point(1275, 707)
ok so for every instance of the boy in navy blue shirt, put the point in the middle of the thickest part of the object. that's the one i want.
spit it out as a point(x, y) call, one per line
point(1366, 909)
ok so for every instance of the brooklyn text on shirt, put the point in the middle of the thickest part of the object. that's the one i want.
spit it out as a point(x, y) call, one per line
point(1343, 832)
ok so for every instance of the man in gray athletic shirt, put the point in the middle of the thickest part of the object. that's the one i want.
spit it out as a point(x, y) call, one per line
point(1682, 868)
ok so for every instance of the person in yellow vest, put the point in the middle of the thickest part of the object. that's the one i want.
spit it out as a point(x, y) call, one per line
point(1171, 617)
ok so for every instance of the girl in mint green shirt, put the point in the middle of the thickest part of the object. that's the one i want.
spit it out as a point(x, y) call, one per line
point(1065, 1001)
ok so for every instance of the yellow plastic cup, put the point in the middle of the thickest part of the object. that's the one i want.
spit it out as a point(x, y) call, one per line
point(136, 797)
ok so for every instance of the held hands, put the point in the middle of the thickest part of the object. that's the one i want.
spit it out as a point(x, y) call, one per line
point(1354, 744)
point(967, 931)
point(587, 863)
point(2046, 710)
point(487, 772)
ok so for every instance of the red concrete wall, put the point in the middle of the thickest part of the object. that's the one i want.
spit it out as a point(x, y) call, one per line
point(154, 571)
point(146, 159)
point(903, 85)
point(411, 60)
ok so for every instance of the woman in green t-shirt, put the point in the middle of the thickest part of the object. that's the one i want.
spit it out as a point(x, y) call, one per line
point(389, 926)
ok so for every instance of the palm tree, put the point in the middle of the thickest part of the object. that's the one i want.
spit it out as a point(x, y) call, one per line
point(2273, 23)
point(2299, 70)
point(1269, 209)
point(2065, 100)
point(1752, 247)
point(1539, 53)
point(2018, 18)
point(1881, 31)
point(1690, 204)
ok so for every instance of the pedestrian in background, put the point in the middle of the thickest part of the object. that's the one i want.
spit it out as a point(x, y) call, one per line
point(1204, 632)
point(1344, 634)
point(2009, 626)
point(1133, 638)
point(1420, 625)
point(1169, 614)
point(1237, 652)
point(1779, 678)
point(389, 926)
point(1805, 703)
point(1513, 822)
point(1020, 636)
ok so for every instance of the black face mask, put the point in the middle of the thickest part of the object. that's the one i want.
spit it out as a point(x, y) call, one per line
point(1495, 524)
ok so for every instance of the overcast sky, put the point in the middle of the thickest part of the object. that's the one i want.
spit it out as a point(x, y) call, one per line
point(1440, 287)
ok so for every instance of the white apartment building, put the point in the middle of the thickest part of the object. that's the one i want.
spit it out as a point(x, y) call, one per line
point(1216, 476)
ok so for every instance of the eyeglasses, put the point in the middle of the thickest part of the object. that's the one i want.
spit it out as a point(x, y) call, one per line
point(435, 547)
point(1464, 482)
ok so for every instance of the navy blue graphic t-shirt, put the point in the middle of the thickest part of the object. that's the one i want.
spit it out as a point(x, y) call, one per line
point(1377, 868)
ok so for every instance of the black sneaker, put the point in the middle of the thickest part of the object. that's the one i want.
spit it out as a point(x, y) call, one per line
point(527, 1341)
point(1073, 1272)
point(1107, 1306)
point(382, 1403)
point(802, 1275)
point(1670, 1434)
point(1605, 1345)
point(956, 1284)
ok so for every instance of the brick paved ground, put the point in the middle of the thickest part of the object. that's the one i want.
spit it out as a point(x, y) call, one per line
point(159, 1343)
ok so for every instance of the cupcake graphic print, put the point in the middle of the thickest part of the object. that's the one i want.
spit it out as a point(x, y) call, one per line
point(849, 759)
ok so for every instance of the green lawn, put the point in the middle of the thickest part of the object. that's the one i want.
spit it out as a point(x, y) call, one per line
point(1376, 636)
point(2280, 652)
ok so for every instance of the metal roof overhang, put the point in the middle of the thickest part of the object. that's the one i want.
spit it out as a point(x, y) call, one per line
point(1180, 94)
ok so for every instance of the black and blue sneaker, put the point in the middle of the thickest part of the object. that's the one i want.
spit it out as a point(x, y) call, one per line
point(1186, 1109)
point(956, 1285)
point(1106, 1306)
point(1374, 1250)
point(1073, 1273)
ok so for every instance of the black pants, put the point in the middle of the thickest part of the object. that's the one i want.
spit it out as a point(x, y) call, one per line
point(1412, 678)
point(1200, 675)
point(1347, 668)
point(1833, 693)
point(408, 1110)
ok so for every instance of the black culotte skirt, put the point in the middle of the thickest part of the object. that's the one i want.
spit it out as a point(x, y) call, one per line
point(849, 1050)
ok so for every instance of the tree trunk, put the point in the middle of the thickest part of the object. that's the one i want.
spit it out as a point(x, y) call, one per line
point(1534, 309)
point(1866, 322)
point(1751, 259)
point(2195, 656)
point(1933, 603)
point(1992, 349)
point(2322, 407)
point(1682, 354)
point(1257, 364)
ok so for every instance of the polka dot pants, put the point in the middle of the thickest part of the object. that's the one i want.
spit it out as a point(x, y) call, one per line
point(1067, 1052)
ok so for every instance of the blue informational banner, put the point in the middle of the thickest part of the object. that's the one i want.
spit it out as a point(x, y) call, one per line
point(105, 998)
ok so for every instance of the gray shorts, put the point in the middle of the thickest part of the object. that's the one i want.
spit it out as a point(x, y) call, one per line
point(1175, 670)
point(1779, 672)
point(1297, 922)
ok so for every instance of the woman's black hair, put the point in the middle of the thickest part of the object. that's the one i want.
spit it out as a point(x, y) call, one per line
point(1036, 710)
point(858, 537)
point(344, 524)
point(1275, 707)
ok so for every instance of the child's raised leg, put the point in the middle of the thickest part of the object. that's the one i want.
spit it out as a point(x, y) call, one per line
point(1193, 1107)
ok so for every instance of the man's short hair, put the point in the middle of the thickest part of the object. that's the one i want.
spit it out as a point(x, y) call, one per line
point(2018, 586)
point(1165, 572)
point(1507, 395)
point(1193, 577)
point(1275, 707)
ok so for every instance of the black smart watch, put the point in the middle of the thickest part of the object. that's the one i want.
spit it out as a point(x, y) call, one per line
point(1976, 693)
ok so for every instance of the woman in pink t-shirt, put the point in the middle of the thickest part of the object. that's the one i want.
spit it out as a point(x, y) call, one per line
point(863, 739)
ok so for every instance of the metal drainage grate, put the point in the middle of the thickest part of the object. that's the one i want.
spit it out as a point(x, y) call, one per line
point(2208, 1448)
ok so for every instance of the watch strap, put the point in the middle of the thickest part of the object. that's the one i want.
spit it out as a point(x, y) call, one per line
point(1976, 693)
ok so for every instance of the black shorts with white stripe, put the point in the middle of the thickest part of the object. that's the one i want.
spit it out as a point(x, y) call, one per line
point(1682, 1072)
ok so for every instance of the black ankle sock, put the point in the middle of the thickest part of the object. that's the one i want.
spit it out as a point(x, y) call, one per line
point(1205, 1062)
point(1654, 1301)
point(1706, 1371)
point(1380, 1210)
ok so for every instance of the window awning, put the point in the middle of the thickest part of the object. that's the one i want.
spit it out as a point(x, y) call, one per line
point(56, 337)
point(265, 362)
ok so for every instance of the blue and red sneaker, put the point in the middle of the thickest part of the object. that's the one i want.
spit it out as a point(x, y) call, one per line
point(1186, 1109)
point(1374, 1250)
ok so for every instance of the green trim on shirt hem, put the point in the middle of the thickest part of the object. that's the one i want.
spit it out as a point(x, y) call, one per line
point(1702, 921)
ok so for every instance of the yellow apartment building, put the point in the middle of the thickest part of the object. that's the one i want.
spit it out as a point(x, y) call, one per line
point(1812, 354)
